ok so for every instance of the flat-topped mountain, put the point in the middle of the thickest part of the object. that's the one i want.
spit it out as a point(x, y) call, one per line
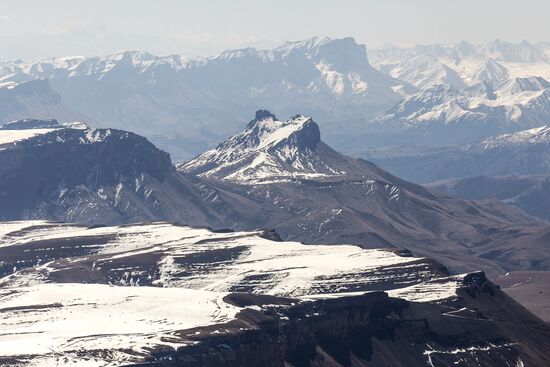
point(71, 172)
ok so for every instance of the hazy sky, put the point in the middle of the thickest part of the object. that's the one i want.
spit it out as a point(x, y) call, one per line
point(39, 28)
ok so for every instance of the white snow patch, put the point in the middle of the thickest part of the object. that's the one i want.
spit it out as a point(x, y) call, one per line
point(55, 319)
point(14, 136)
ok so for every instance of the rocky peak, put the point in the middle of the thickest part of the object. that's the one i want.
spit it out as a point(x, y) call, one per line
point(266, 131)
point(267, 149)
point(260, 116)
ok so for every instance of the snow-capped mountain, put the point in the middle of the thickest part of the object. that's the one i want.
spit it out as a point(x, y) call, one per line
point(466, 92)
point(188, 105)
point(444, 114)
point(159, 294)
point(270, 150)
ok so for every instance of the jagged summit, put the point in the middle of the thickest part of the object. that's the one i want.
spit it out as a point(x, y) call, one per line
point(260, 116)
point(266, 131)
point(266, 149)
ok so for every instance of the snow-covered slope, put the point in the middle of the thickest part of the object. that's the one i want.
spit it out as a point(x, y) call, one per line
point(100, 325)
point(49, 319)
point(14, 136)
point(16, 131)
point(171, 256)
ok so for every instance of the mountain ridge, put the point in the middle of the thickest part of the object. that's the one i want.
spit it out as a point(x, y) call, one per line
point(195, 103)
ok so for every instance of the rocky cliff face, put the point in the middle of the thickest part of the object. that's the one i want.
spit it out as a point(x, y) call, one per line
point(371, 330)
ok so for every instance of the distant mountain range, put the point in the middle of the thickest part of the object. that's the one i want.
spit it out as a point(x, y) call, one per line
point(433, 95)
point(188, 105)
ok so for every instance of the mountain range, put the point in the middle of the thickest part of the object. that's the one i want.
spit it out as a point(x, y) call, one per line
point(522, 153)
point(188, 105)
point(511, 167)
point(432, 95)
